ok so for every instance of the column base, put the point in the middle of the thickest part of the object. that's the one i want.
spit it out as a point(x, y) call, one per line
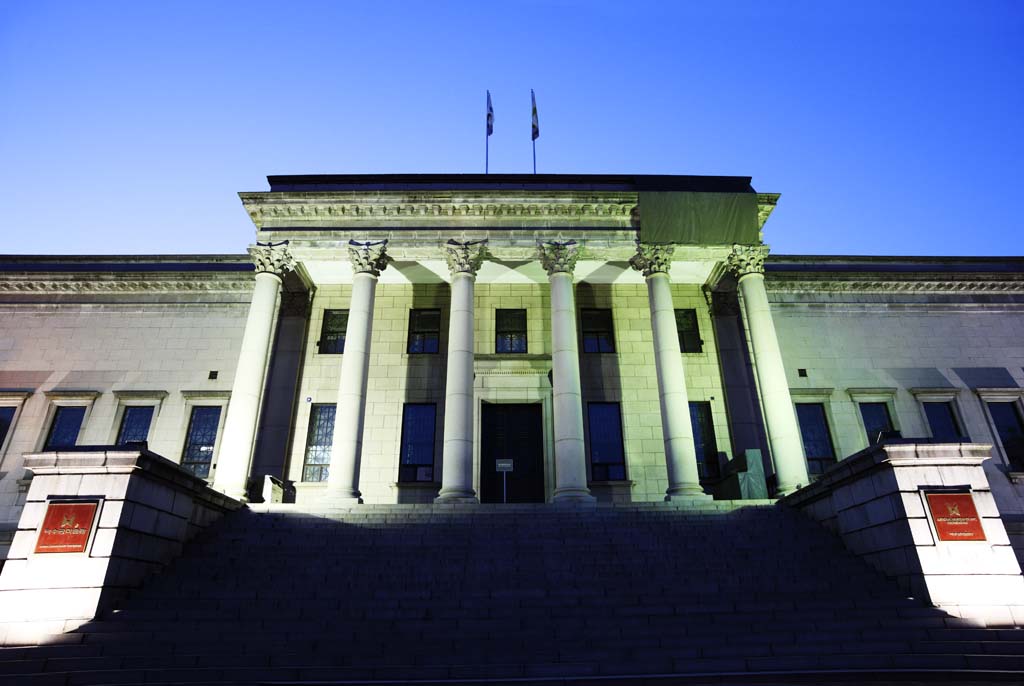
point(683, 492)
point(455, 497)
point(573, 496)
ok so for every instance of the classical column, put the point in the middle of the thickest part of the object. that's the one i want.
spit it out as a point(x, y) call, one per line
point(232, 474)
point(654, 262)
point(747, 262)
point(464, 260)
point(559, 259)
point(368, 261)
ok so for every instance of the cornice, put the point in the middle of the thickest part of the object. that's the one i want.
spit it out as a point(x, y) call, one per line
point(288, 209)
point(881, 284)
point(131, 284)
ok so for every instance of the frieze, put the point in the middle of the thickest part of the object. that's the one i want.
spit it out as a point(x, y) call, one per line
point(122, 286)
point(786, 285)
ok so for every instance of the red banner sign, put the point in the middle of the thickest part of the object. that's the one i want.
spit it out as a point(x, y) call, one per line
point(66, 527)
point(955, 517)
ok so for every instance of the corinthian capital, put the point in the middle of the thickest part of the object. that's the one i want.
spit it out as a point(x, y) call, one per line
point(272, 258)
point(652, 258)
point(368, 257)
point(558, 257)
point(465, 257)
point(747, 259)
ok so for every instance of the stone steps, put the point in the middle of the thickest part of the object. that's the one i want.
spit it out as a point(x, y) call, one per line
point(373, 593)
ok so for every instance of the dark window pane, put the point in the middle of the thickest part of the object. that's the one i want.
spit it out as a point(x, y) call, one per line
point(135, 424)
point(816, 437)
point(942, 421)
point(876, 420)
point(6, 419)
point(598, 335)
point(424, 331)
point(510, 327)
point(704, 440)
point(607, 453)
point(1007, 419)
point(202, 435)
point(67, 421)
point(689, 333)
point(319, 440)
point(332, 334)
point(416, 461)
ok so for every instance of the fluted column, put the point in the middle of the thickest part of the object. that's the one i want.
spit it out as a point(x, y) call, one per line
point(232, 474)
point(464, 260)
point(368, 261)
point(654, 262)
point(747, 262)
point(559, 260)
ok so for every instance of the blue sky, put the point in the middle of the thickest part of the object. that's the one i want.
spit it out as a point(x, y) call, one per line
point(889, 128)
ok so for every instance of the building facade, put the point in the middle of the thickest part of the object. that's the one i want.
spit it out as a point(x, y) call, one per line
point(402, 339)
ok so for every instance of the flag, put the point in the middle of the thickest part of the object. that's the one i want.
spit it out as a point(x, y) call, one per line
point(490, 115)
point(535, 132)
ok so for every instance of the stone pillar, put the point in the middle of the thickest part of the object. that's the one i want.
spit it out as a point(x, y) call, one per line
point(559, 259)
point(747, 262)
point(368, 261)
point(464, 260)
point(232, 472)
point(654, 262)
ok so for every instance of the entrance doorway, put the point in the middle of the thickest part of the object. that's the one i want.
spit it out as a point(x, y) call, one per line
point(516, 433)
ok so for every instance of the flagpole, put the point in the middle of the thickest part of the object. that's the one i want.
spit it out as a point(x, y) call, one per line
point(487, 151)
point(534, 155)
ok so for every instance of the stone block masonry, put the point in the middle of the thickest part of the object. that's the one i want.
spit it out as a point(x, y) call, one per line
point(147, 508)
point(893, 505)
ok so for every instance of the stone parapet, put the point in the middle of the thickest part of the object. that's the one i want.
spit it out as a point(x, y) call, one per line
point(146, 509)
point(906, 509)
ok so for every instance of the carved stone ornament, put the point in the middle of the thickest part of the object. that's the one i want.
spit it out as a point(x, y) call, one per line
point(652, 258)
point(369, 257)
point(747, 259)
point(558, 257)
point(465, 257)
point(272, 258)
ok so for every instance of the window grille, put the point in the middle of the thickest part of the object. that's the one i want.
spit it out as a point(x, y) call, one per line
point(67, 422)
point(877, 421)
point(1009, 425)
point(607, 452)
point(319, 440)
point(943, 422)
point(332, 332)
point(816, 437)
point(704, 440)
point(416, 461)
point(6, 420)
point(689, 332)
point(510, 326)
point(200, 440)
point(135, 423)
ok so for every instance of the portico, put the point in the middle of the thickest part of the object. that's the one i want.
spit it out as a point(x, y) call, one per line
point(463, 256)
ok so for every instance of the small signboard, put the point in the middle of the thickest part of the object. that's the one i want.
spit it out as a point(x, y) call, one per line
point(66, 527)
point(955, 516)
point(503, 465)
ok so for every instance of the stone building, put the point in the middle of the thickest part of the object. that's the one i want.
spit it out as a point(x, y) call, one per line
point(397, 339)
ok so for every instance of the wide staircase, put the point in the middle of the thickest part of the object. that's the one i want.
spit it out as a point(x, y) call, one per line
point(642, 593)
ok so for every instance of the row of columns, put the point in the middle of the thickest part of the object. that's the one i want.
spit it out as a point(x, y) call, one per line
point(369, 259)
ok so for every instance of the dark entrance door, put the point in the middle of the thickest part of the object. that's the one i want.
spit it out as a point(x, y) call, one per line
point(512, 432)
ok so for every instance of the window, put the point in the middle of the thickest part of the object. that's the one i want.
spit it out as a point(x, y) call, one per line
point(416, 462)
point(510, 326)
point(816, 437)
point(135, 423)
point(6, 422)
point(201, 439)
point(704, 440)
point(598, 335)
point(67, 422)
point(607, 454)
point(424, 331)
point(1006, 417)
point(943, 422)
point(332, 333)
point(319, 439)
point(877, 421)
point(689, 334)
